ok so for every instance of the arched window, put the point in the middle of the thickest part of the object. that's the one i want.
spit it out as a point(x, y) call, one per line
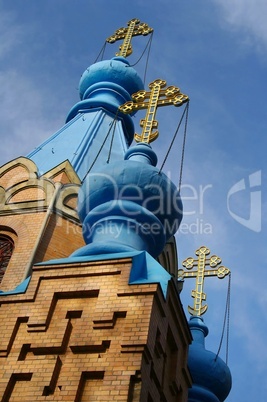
point(6, 249)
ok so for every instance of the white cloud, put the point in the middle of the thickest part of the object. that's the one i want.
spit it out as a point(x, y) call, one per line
point(26, 115)
point(22, 115)
point(248, 308)
point(248, 17)
point(10, 33)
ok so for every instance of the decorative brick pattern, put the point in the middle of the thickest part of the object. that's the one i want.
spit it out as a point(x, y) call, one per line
point(39, 233)
point(81, 333)
point(17, 171)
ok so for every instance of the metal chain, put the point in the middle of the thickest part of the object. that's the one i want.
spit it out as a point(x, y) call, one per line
point(226, 322)
point(183, 148)
point(228, 319)
point(174, 137)
point(102, 146)
point(148, 45)
point(113, 135)
point(101, 53)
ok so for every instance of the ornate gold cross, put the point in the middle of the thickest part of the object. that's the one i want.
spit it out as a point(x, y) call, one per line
point(134, 28)
point(200, 274)
point(150, 101)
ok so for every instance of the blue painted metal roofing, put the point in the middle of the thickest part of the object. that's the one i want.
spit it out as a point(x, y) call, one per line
point(104, 86)
point(79, 141)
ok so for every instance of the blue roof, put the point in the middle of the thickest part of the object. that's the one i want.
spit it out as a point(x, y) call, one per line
point(90, 126)
point(79, 141)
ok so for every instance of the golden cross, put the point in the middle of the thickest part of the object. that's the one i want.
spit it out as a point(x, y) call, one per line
point(200, 274)
point(150, 101)
point(134, 28)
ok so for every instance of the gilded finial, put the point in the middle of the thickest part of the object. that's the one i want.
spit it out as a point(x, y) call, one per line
point(200, 273)
point(151, 100)
point(134, 28)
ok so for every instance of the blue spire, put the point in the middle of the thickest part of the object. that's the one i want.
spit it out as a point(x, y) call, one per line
point(103, 87)
point(211, 376)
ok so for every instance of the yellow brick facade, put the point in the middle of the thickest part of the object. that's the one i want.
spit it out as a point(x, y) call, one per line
point(39, 214)
point(81, 332)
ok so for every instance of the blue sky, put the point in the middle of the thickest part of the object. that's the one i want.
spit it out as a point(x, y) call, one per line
point(215, 51)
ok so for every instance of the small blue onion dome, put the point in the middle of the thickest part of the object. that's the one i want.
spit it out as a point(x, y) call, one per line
point(211, 376)
point(116, 71)
point(107, 85)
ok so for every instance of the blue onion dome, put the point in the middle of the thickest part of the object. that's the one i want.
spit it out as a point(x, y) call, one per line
point(211, 376)
point(137, 196)
point(116, 71)
point(107, 85)
point(133, 181)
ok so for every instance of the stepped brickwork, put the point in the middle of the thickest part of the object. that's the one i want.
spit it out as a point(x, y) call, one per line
point(81, 332)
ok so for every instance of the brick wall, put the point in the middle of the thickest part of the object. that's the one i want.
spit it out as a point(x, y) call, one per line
point(81, 333)
point(39, 233)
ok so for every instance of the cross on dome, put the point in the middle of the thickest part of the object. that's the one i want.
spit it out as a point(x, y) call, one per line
point(151, 100)
point(134, 28)
point(200, 273)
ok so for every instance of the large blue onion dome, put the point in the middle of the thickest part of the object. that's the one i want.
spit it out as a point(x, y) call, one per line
point(130, 204)
point(116, 71)
point(211, 376)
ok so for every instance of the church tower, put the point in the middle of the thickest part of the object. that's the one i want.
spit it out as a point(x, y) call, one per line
point(94, 317)
point(89, 299)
